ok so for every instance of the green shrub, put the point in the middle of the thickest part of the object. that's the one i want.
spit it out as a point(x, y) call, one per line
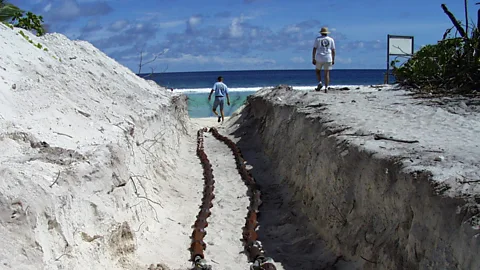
point(38, 45)
point(450, 66)
point(9, 25)
point(29, 21)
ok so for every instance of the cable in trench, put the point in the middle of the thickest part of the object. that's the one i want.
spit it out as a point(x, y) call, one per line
point(197, 244)
point(253, 247)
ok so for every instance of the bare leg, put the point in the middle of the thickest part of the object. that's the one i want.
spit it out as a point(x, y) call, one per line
point(327, 79)
point(319, 75)
point(223, 116)
point(215, 111)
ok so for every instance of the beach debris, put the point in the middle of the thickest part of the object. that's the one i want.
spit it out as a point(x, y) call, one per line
point(83, 113)
point(383, 137)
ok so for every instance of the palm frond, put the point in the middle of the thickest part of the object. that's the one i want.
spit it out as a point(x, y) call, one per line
point(8, 11)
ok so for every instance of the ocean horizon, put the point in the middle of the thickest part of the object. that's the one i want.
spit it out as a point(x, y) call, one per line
point(241, 83)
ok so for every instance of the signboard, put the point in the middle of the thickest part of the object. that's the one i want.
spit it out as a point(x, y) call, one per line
point(398, 46)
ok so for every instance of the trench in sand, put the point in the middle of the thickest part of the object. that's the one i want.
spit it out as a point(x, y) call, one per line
point(283, 230)
point(365, 207)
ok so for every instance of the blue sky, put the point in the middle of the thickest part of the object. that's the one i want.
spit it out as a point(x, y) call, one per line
point(244, 34)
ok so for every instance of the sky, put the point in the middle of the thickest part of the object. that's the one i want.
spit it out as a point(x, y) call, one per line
point(218, 35)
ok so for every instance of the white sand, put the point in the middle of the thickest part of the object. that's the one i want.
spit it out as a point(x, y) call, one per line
point(229, 209)
point(447, 129)
point(117, 155)
point(118, 183)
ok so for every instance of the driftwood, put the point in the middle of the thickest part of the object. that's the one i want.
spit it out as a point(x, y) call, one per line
point(455, 22)
point(383, 137)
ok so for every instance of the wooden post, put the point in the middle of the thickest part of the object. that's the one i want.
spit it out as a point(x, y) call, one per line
point(466, 16)
point(388, 59)
point(478, 18)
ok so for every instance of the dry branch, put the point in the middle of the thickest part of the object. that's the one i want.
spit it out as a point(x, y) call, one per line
point(145, 197)
point(455, 22)
point(63, 134)
point(56, 180)
point(465, 181)
point(383, 137)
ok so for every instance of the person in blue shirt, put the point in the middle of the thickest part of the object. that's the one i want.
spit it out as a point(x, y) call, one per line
point(221, 91)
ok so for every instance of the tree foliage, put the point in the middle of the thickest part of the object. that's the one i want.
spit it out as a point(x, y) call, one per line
point(7, 11)
point(29, 21)
point(19, 18)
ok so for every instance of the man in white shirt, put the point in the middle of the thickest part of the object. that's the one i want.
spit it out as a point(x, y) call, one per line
point(221, 91)
point(323, 56)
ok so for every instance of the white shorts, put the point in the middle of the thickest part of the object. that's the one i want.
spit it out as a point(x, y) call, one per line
point(325, 65)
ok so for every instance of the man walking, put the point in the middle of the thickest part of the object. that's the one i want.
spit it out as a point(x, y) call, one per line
point(221, 91)
point(323, 56)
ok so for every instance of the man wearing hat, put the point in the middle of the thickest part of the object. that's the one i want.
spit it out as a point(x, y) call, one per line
point(323, 56)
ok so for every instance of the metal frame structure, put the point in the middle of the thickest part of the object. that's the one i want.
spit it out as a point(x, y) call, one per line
point(396, 54)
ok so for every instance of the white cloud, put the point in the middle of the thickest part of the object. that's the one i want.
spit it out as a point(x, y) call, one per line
point(194, 20)
point(69, 9)
point(119, 25)
point(170, 24)
point(200, 59)
point(343, 60)
point(292, 29)
point(298, 60)
point(47, 7)
point(236, 29)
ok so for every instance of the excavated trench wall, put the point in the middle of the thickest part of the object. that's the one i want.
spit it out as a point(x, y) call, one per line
point(366, 208)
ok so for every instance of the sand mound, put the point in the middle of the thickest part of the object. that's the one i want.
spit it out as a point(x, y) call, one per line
point(82, 182)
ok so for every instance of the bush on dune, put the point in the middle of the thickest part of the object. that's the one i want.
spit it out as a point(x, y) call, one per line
point(452, 66)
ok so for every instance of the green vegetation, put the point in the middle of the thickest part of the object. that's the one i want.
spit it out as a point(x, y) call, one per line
point(21, 19)
point(9, 25)
point(29, 21)
point(38, 45)
point(7, 11)
point(452, 66)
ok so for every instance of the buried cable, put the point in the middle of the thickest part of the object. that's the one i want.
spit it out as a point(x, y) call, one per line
point(198, 246)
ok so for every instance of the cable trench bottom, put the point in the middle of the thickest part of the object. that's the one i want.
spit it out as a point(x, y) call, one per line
point(252, 246)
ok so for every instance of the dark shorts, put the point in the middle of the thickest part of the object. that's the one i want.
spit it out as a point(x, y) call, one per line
point(219, 101)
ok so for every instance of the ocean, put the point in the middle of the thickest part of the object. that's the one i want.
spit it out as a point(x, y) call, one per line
point(197, 85)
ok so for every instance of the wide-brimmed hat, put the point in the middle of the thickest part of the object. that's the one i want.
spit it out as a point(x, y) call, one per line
point(324, 30)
